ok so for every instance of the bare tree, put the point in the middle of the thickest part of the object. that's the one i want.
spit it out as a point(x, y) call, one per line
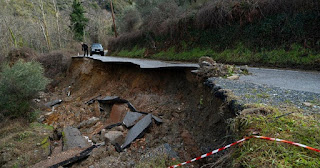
point(44, 25)
point(57, 13)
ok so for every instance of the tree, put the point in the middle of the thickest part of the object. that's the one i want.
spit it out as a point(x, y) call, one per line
point(78, 20)
point(44, 25)
point(20, 84)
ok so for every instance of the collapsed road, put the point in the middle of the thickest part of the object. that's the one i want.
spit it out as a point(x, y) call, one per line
point(142, 109)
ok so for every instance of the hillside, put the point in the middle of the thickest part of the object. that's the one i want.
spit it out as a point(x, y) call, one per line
point(44, 25)
point(258, 32)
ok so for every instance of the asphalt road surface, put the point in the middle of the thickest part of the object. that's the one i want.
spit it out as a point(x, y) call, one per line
point(287, 79)
point(307, 81)
point(144, 63)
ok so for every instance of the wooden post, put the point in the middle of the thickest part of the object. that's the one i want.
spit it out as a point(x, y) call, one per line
point(114, 24)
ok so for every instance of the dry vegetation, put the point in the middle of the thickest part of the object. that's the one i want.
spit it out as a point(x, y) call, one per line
point(44, 25)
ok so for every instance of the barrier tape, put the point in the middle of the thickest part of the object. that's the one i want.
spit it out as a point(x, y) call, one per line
point(244, 139)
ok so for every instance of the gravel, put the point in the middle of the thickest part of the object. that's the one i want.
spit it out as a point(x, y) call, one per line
point(249, 93)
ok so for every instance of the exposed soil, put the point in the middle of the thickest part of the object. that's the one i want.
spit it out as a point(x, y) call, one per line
point(195, 121)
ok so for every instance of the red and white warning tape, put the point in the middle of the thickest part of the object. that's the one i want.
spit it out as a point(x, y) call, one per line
point(244, 139)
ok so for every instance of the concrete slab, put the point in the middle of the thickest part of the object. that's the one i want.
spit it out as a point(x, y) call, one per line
point(111, 100)
point(137, 129)
point(130, 118)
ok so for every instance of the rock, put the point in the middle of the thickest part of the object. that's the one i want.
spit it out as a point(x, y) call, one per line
point(244, 68)
point(119, 128)
point(41, 118)
point(114, 137)
point(36, 100)
point(205, 63)
point(233, 77)
point(96, 108)
point(307, 104)
point(207, 60)
point(88, 123)
point(118, 112)
point(73, 139)
point(103, 132)
point(95, 138)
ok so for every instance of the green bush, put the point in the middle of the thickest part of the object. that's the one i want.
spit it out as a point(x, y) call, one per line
point(19, 84)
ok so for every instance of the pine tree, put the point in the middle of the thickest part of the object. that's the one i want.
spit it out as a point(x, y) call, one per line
point(78, 20)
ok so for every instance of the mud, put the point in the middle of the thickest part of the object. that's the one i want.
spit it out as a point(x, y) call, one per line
point(194, 115)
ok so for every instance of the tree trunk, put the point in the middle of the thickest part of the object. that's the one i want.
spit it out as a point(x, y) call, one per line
point(44, 26)
point(13, 37)
point(114, 24)
point(57, 13)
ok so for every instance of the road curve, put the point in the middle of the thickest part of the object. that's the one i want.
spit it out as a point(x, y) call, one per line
point(287, 79)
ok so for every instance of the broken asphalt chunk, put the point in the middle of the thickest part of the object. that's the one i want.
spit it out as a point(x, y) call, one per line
point(85, 153)
point(131, 107)
point(157, 119)
point(130, 118)
point(92, 100)
point(112, 100)
point(53, 103)
point(137, 129)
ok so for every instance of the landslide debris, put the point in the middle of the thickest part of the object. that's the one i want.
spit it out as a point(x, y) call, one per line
point(193, 115)
point(210, 68)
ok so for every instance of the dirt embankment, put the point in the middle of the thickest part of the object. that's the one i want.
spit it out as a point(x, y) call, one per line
point(195, 117)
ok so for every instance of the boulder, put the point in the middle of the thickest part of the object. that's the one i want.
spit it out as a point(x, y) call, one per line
point(118, 112)
point(72, 138)
point(114, 137)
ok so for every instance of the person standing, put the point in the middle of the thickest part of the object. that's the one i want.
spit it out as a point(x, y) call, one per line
point(85, 49)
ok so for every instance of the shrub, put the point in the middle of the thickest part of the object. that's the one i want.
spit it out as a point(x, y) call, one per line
point(55, 63)
point(20, 84)
point(24, 53)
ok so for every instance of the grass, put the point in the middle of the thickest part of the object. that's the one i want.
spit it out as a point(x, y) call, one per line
point(21, 142)
point(189, 55)
point(295, 55)
point(295, 127)
point(135, 53)
point(263, 95)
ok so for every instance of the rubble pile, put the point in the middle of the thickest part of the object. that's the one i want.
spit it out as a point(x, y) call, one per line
point(118, 124)
point(210, 68)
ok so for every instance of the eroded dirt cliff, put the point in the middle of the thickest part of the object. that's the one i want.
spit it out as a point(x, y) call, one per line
point(194, 115)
